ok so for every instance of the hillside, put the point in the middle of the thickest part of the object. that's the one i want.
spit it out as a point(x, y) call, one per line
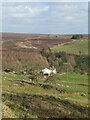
point(59, 97)
point(26, 93)
point(31, 42)
point(23, 50)
point(75, 47)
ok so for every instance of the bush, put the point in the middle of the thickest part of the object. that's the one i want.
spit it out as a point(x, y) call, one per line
point(66, 67)
point(32, 75)
point(47, 86)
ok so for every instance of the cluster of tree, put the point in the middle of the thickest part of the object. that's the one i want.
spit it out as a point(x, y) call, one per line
point(63, 61)
point(78, 36)
point(81, 63)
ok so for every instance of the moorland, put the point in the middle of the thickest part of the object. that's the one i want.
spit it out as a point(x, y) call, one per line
point(28, 94)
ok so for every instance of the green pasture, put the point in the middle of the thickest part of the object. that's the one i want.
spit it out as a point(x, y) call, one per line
point(70, 83)
point(78, 47)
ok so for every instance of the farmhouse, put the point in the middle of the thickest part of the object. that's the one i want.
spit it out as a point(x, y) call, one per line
point(47, 72)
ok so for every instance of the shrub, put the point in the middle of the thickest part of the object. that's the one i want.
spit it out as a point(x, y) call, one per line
point(32, 75)
point(66, 67)
point(47, 86)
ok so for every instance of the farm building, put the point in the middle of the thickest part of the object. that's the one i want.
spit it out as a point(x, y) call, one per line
point(47, 72)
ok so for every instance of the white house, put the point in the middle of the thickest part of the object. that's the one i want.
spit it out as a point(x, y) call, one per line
point(47, 72)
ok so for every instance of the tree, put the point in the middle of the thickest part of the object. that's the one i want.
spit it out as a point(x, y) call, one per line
point(78, 36)
point(43, 52)
point(33, 75)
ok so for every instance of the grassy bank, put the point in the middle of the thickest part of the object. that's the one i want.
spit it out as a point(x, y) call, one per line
point(61, 95)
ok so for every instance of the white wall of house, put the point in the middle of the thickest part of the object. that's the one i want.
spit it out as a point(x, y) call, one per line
point(48, 71)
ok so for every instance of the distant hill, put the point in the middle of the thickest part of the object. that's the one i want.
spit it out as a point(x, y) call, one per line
point(20, 51)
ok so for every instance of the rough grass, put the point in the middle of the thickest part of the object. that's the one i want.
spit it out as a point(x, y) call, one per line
point(75, 47)
point(52, 98)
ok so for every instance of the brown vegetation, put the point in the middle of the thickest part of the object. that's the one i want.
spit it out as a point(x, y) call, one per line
point(31, 41)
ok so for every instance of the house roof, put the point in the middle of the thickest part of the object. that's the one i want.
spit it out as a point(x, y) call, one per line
point(46, 70)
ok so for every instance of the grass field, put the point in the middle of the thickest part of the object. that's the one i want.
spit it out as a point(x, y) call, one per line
point(61, 95)
point(75, 47)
